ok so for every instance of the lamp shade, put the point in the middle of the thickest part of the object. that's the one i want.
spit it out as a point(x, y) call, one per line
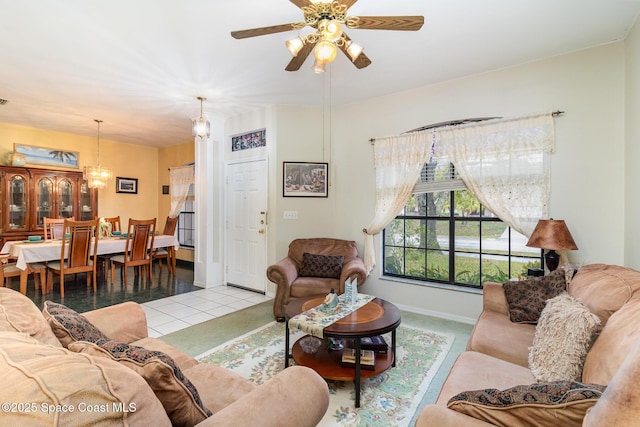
point(325, 52)
point(295, 45)
point(331, 30)
point(318, 67)
point(552, 234)
point(354, 50)
point(201, 127)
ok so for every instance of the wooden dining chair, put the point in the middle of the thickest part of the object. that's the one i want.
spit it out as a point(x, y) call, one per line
point(168, 253)
point(53, 228)
point(105, 259)
point(9, 270)
point(138, 248)
point(115, 223)
point(79, 257)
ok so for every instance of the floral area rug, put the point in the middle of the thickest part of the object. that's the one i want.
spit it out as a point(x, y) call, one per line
point(389, 399)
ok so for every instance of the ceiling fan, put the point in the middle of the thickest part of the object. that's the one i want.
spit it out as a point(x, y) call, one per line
point(328, 18)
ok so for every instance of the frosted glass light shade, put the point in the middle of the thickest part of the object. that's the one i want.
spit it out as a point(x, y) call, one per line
point(325, 51)
point(295, 45)
point(97, 176)
point(331, 30)
point(201, 127)
point(354, 50)
point(318, 67)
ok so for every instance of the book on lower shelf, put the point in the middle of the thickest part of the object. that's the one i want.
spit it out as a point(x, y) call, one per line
point(376, 343)
point(367, 358)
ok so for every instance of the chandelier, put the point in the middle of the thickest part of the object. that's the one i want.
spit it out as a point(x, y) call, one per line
point(200, 125)
point(97, 176)
point(327, 19)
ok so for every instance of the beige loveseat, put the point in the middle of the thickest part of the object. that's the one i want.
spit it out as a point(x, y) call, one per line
point(313, 267)
point(49, 378)
point(497, 359)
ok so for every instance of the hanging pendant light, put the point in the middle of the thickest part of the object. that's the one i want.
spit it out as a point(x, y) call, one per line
point(200, 125)
point(97, 176)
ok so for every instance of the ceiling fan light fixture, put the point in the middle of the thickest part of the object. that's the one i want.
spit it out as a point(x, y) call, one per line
point(325, 51)
point(200, 126)
point(318, 67)
point(354, 50)
point(331, 30)
point(295, 45)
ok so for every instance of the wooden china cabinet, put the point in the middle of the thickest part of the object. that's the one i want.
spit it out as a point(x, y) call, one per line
point(30, 194)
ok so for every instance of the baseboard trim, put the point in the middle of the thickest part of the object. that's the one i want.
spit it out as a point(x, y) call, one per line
point(438, 314)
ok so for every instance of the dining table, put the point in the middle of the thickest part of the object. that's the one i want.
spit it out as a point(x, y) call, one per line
point(30, 251)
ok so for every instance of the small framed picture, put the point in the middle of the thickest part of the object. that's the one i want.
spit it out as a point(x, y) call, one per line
point(127, 185)
point(303, 179)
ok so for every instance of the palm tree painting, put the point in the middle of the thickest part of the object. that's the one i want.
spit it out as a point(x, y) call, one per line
point(47, 156)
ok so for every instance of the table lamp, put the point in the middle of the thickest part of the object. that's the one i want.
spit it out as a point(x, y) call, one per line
point(552, 235)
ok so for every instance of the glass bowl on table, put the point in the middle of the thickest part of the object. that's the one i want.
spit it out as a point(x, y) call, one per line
point(310, 344)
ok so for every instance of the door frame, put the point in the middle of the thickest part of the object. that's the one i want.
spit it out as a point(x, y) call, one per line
point(225, 213)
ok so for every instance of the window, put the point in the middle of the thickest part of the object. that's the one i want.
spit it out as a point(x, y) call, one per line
point(186, 221)
point(445, 235)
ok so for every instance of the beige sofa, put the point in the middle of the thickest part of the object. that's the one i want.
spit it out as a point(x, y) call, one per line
point(497, 358)
point(313, 267)
point(50, 378)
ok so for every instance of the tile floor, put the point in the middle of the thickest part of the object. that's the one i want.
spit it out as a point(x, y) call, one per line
point(177, 312)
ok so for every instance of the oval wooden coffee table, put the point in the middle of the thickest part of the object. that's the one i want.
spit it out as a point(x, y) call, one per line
point(374, 318)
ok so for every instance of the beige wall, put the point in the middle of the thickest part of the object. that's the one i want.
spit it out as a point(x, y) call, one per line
point(148, 164)
point(632, 157)
point(588, 173)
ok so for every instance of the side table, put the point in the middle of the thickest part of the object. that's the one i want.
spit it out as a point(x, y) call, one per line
point(374, 318)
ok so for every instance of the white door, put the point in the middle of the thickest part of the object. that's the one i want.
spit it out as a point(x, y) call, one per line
point(246, 249)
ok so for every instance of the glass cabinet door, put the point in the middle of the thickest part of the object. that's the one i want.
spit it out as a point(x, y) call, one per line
point(86, 202)
point(17, 198)
point(44, 200)
point(65, 198)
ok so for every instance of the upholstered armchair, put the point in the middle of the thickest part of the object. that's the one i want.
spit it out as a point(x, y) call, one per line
point(313, 267)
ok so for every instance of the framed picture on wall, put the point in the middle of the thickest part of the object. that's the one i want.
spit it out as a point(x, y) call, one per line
point(42, 156)
point(126, 185)
point(305, 179)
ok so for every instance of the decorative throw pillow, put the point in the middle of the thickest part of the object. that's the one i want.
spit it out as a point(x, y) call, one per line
point(44, 377)
point(70, 326)
point(177, 394)
point(564, 334)
point(560, 403)
point(328, 266)
point(527, 298)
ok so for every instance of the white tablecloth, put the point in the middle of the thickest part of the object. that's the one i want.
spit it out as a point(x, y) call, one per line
point(49, 250)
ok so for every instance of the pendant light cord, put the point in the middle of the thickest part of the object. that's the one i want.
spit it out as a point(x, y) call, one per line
point(98, 155)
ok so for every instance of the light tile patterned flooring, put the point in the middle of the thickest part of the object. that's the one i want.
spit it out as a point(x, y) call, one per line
point(177, 312)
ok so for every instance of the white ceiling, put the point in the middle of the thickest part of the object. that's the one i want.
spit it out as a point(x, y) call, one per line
point(139, 65)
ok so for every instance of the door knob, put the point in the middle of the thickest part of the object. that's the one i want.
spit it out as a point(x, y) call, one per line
point(261, 231)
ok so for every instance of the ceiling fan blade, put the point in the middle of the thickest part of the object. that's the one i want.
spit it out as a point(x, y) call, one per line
point(297, 61)
point(400, 23)
point(348, 3)
point(361, 61)
point(301, 3)
point(262, 31)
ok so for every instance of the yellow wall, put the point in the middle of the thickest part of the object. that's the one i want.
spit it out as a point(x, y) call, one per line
point(148, 164)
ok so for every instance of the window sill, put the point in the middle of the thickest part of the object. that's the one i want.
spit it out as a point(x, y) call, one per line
point(432, 285)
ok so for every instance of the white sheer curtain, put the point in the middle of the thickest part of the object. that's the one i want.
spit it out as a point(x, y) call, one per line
point(180, 179)
point(504, 163)
point(398, 161)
